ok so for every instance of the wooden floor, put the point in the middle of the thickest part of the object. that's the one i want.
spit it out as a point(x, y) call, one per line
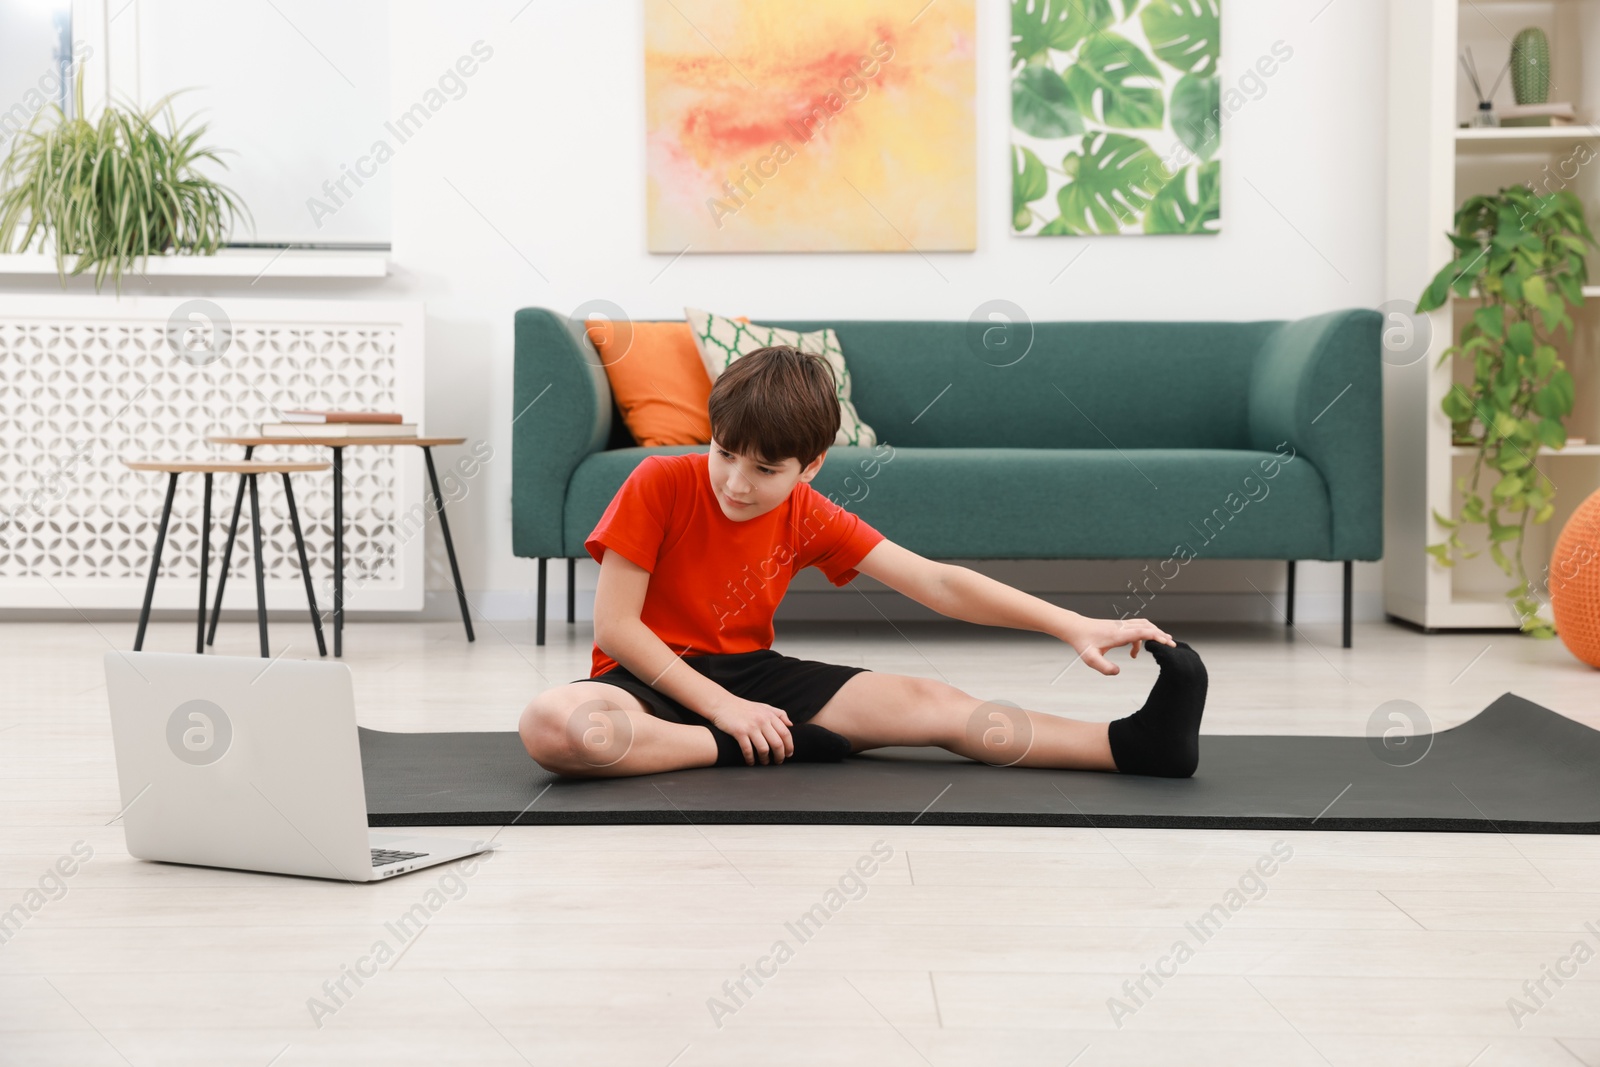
point(591, 945)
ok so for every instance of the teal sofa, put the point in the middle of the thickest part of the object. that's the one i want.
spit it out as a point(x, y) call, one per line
point(1105, 440)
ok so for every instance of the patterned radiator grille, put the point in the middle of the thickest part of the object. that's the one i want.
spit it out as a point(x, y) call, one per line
point(78, 397)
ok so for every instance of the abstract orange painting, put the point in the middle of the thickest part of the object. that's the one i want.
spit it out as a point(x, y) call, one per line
point(810, 125)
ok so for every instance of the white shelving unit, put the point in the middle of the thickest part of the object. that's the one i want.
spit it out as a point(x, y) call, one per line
point(1499, 136)
point(1570, 450)
point(1433, 165)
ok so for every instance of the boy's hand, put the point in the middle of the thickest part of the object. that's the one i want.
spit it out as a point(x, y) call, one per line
point(1094, 637)
point(761, 729)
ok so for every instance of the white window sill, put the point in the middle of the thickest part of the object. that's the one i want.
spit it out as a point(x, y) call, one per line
point(228, 263)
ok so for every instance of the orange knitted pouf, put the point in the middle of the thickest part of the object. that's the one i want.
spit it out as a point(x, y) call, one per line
point(1575, 582)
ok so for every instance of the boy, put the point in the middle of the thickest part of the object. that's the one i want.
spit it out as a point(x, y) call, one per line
point(695, 553)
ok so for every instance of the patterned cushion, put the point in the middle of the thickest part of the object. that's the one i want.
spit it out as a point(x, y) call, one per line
point(723, 340)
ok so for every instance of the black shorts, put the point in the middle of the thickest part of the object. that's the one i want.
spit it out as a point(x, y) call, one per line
point(799, 686)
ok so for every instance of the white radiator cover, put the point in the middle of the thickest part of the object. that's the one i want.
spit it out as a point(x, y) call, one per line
point(88, 381)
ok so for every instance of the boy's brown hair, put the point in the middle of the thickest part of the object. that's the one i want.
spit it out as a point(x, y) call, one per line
point(775, 403)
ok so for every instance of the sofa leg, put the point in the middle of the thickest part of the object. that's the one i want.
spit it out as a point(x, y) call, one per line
point(538, 607)
point(572, 596)
point(1288, 611)
point(1349, 567)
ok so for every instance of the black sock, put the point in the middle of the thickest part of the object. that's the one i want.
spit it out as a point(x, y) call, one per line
point(1163, 737)
point(812, 744)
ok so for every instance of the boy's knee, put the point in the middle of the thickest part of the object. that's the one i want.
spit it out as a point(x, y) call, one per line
point(950, 712)
point(931, 692)
point(543, 733)
point(936, 698)
point(568, 735)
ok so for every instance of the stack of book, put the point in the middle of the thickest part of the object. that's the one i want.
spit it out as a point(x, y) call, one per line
point(1559, 113)
point(306, 423)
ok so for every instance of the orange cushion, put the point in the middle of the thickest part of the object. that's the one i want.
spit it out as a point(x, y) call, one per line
point(658, 378)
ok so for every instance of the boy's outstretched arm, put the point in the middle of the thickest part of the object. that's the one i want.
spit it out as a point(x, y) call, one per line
point(962, 593)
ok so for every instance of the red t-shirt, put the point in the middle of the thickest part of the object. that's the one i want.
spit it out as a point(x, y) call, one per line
point(715, 583)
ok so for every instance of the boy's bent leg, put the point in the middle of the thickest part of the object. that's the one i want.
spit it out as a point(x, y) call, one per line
point(874, 709)
point(596, 730)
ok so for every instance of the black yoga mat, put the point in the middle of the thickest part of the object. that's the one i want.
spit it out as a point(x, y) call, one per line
point(1515, 767)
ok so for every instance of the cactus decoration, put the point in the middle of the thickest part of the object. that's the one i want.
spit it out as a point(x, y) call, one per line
point(1530, 66)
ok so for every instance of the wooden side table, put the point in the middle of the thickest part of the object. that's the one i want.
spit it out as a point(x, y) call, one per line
point(248, 471)
point(338, 445)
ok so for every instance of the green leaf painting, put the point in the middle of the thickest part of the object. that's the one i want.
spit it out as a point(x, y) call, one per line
point(1196, 105)
point(1183, 33)
point(1179, 209)
point(1042, 106)
point(1115, 117)
point(1113, 180)
point(1028, 181)
point(1059, 25)
point(1116, 84)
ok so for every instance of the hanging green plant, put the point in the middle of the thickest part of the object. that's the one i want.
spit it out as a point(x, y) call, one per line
point(1523, 255)
point(112, 191)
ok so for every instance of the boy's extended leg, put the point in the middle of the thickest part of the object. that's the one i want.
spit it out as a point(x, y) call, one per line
point(874, 709)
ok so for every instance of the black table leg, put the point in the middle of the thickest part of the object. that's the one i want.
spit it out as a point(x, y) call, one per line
point(338, 550)
point(1349, 564)
point(449, 546)
point(205, 559)
point(261, 567)
point(1288, 613)
point(538, 610)
point(227, 555)
point(572, 596)
point(305, 565)
point(155, 561)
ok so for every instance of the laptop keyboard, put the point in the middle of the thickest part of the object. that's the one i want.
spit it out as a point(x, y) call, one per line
point(382, 857)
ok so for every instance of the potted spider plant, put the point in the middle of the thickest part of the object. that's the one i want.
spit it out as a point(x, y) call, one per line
point(112, 191)
point(1523, 254)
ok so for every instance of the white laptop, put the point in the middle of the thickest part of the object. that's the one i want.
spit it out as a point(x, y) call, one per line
point(254, 764)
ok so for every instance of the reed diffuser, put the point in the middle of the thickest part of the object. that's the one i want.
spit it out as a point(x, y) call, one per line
point(1485, 115)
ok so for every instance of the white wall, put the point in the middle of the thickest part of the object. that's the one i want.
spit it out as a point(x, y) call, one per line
point(29, 66)
point(323, 111)
point(528, 190)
